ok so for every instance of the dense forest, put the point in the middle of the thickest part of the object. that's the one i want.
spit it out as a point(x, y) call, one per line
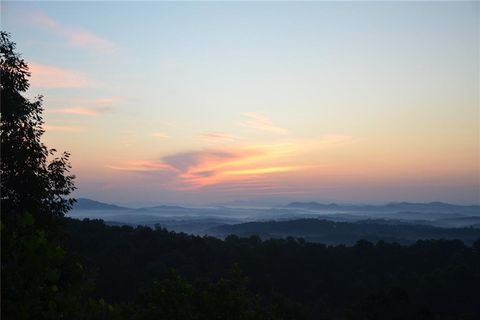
point(54, 267)
point(434, 279)
point(331, 232)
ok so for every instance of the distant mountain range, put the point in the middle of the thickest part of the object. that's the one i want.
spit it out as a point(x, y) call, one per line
point(164, 207)
point(437, 207)
point(198, 220)
point(88, 204)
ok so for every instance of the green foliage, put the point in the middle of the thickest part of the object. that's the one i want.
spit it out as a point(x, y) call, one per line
point(31, 182)
point(99, 309)
point(229, 299)
point(40, 280)
point(34, 274)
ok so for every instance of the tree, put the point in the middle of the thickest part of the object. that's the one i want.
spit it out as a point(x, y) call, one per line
point(34, 178)
point(39, 279)
point(176, 298)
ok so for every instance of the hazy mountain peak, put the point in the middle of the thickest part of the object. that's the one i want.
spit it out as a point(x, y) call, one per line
point(89, 204)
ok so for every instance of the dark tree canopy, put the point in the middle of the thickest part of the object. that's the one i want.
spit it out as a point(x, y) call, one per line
point(33, 178)
point(39, 279)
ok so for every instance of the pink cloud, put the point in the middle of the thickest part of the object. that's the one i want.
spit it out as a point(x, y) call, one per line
point(81, 111)
point(43, 20)
point(197, 169)
point(62, 128)
point(213, 136)
point(46, 76)
point(240, 164)
point(75, 37)
point(87, 40)
point(142, 166)
point(261, 122)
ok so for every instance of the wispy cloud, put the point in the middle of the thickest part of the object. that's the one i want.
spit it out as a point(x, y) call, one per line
point(43, 20)
point(86, 107)
point(75, 37)
point(81, 111)
point(213, 136)
point(142, 166)
point(47, 76)
point(259, 121)
point(62, 128)
point(87, 40)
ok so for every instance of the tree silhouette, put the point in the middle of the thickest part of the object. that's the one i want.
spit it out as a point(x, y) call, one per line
point(30, 181)
point(40, 280)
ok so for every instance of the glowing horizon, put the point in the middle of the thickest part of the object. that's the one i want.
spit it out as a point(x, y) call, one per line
point(213, 102)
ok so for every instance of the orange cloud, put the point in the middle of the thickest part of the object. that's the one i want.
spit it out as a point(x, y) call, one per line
point(75, 37)
point(198, 169)
point(261, 122)
point(236, 165)
point(245, 185)
point(256, 171)
point(46, 76)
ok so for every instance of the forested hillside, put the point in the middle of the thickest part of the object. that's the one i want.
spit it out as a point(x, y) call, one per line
point(435, 279)
point(330, 232)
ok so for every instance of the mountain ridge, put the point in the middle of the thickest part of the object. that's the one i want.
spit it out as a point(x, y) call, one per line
point(400, 206)
point(89, 204)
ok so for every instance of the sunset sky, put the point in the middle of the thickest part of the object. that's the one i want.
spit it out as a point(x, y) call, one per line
point(194, 103)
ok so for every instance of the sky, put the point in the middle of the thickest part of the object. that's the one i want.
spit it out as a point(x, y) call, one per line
point(208, 102)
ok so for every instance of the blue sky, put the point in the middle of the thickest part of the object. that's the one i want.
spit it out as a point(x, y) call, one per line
point(367, 101)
